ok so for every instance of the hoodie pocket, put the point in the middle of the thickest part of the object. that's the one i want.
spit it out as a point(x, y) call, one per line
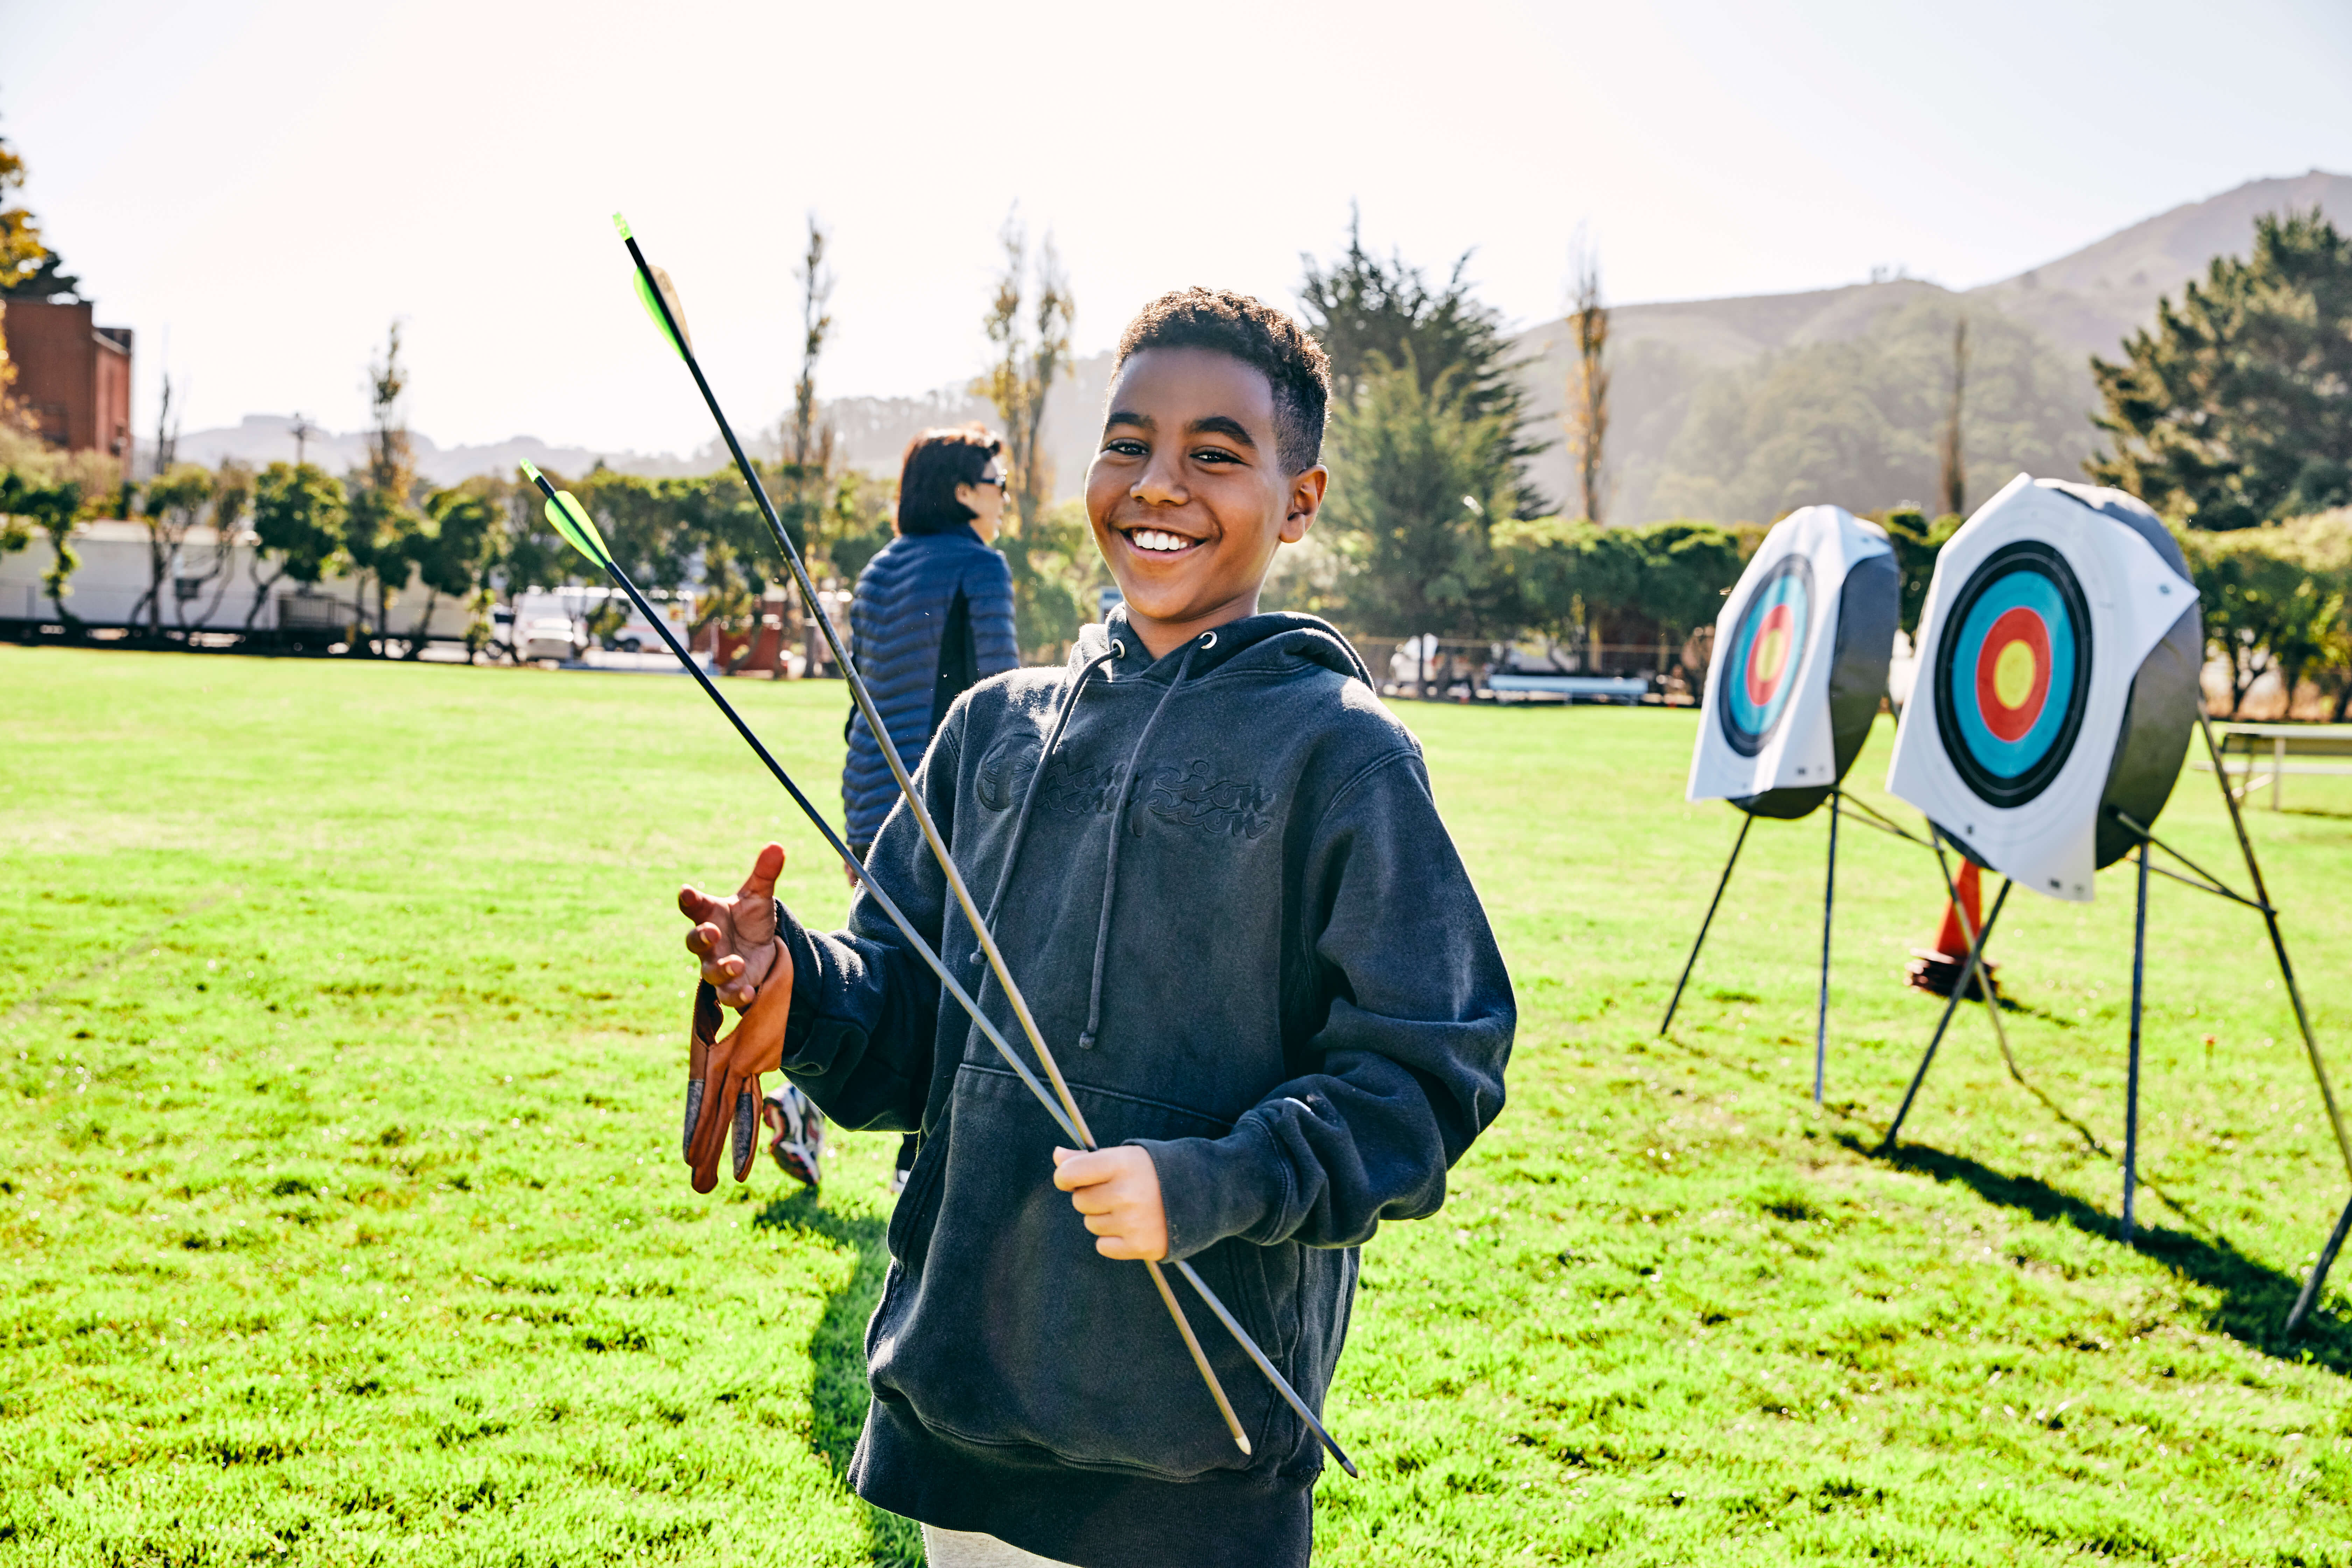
point(1005, 1326)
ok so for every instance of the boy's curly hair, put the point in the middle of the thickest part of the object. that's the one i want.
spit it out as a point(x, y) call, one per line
point(1259, 336)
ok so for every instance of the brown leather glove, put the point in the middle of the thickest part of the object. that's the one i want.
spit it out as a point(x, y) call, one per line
point(723, 1083)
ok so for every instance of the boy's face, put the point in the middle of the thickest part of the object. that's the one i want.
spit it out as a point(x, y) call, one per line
point(1187, 495)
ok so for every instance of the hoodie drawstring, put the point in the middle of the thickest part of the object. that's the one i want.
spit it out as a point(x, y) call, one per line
point(1117, 649)
point(1126, 791)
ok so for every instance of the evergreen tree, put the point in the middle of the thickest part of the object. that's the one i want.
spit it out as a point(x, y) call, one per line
point(1417, 480)
point(2236, 409)
point(1370, 315)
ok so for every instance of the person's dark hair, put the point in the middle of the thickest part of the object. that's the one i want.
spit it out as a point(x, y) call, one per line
point(1259, 336)
point(938, 461)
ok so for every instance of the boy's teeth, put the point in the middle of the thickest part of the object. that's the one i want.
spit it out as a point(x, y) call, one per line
point(1157, 539)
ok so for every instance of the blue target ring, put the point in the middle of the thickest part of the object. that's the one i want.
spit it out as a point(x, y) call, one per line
point(2014, 673)
point(1765, 655)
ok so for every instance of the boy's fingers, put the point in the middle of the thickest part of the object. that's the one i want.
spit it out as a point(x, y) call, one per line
point(765, 868)
point(694, 903)
point(1073, 1170)
point(1093, 1200)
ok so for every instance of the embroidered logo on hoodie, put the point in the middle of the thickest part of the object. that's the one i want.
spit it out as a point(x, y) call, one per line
point(1194, 797)
point(1070, 788)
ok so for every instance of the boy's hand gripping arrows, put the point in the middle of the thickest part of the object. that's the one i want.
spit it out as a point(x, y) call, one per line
point(656, 292)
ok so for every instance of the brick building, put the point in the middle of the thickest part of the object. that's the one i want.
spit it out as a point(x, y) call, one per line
point(73, 377)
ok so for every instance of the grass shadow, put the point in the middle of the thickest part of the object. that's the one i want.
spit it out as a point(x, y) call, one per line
point(2255, 1297)
point(837, 1387)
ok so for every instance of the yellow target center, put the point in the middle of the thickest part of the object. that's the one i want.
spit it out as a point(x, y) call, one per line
point(2012, 675)
point(1771, 655)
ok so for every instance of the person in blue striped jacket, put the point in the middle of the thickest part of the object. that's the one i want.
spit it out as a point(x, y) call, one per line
point(932, 617)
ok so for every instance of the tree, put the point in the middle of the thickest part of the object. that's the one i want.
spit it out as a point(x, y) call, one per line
point(1417, 479)
point(1917, 544)
point(22, 254)
point(2232, 411)
point(298, 520)
point(52, 491)
point(2249, 591)
point(1951, 472)
point(381, 513)
point(232, 493)
point(176, 500)
point(54, 507)
point(1029, 321)
point(1567, 575)
point(1372, 316)
point(808, 451)
point(451, 545)
point(1587, 391)
point(1571, 578)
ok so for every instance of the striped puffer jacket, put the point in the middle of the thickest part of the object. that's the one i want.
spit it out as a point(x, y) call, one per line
point(933, 615)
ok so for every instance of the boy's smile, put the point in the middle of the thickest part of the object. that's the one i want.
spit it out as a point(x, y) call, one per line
point(1187, 495)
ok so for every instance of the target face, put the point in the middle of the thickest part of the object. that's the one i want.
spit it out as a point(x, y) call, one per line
point(1768, 650)
point(2014, 673)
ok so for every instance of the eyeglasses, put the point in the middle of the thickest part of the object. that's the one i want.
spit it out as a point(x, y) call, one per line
point(1004, 482)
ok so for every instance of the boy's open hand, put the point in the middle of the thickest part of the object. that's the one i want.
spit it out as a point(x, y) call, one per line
point(736, 938)
point(1118, 1191)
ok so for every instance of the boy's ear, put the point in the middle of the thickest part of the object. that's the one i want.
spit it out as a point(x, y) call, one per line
point(1306, 500)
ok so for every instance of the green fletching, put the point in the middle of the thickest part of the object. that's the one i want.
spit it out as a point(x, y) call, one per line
point(621, 224)
point(571, 520)
point(669, 297)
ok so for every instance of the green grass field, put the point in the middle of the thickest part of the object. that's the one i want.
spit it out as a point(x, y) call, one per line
point(342, 1011)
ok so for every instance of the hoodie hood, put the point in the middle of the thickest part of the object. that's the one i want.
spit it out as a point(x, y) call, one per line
point(1255, 641)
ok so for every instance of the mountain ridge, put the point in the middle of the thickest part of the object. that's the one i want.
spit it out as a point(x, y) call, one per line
point(1674, 362)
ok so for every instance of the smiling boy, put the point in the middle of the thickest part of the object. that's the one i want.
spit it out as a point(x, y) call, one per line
point(1213, 861)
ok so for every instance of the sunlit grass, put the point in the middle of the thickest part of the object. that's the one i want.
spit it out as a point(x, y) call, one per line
point(341, 1011)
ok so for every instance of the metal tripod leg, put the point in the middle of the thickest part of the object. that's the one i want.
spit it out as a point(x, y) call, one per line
point(1829, 905)
point(2131, 1087)
point(2301, 1021)
point(1746, 822)
point(2310, 1296)
point(1975, 950)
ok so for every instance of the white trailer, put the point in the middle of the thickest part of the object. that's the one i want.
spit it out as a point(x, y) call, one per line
point(212, 595)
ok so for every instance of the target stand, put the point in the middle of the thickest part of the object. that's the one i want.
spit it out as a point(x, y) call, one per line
point(1802, 648)
point(2060, 662)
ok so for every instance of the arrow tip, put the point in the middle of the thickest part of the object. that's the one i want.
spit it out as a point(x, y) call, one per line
point(621, 224)
point(531, 471)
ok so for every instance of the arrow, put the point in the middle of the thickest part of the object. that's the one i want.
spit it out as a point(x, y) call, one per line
point(656, 293)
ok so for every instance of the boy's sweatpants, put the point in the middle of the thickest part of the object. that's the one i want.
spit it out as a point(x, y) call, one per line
point(963, 1549)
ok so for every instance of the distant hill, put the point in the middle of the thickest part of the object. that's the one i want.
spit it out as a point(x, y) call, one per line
point(262, 439)
point(1739, 408)
point(1734, 409)
point(2090, 301)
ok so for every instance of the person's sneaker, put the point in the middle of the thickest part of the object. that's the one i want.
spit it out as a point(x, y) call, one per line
point(798, 1129)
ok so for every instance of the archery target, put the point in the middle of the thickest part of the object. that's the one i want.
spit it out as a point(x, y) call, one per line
point(2012, 682)
point(1767, 648)
point(2059, 654)
point(1801, 660)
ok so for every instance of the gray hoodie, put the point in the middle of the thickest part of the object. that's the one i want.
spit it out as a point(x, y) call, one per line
point(1241, 925)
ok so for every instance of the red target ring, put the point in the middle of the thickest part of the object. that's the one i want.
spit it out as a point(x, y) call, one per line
point(1767, 658)
point(2014, 673)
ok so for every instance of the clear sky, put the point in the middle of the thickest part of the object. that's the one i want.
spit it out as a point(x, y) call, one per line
point(266, 183)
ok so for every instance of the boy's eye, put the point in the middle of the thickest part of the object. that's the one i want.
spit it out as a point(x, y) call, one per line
point(1215, 455)
point(1125, 447)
